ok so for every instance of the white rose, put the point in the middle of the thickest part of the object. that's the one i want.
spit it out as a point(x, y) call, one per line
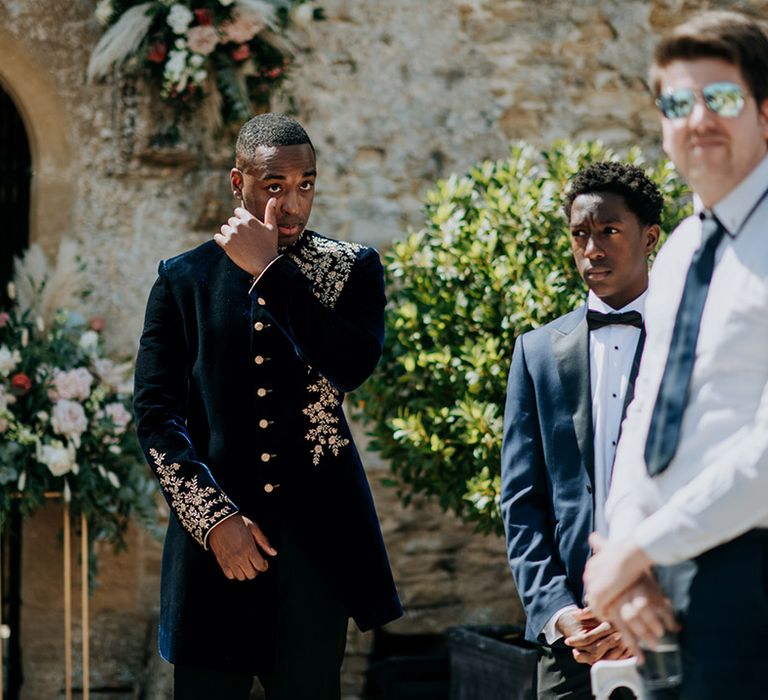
point(302, 15)
point(103, 11)
point(11, 291)
point(119, 416)
point(74, 384)
point(175, 65)
point(58, 458)
point(8, 360)
point(69, 419)
point(226, 3)
point(179, 18)
point(89, 341)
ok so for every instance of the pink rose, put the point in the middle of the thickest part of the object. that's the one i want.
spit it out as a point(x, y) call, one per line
point(202, 40)
point(119, 415)
point(75, 384)
point(4, 318)
point(69, 419)
point(243, 27)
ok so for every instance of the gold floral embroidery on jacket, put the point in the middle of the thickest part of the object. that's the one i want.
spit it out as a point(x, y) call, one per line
point(323, 417)
point(327, 264)
point(198, 508)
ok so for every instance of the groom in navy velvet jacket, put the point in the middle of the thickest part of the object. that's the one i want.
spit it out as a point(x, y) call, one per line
point(249, 343)
point(569, 384)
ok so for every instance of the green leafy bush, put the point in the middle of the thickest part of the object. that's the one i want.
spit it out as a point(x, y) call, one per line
point(492, 262)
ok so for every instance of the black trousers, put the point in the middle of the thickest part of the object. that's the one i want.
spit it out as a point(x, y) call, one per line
point(310, 639)
point(725, 626)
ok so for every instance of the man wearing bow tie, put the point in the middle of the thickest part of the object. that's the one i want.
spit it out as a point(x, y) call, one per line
point(692, 470)
point(569, 384)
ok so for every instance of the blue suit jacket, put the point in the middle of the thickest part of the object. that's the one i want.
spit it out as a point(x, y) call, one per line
point(547, 467)
point(547, 470)
point(238, 401)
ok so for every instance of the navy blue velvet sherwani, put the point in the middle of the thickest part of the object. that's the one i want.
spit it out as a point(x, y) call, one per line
point(239, 390)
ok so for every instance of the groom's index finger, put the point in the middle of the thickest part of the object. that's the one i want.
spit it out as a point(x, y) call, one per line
point(270, 213)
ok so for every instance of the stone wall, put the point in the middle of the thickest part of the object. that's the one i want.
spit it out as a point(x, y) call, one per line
point(395, 93)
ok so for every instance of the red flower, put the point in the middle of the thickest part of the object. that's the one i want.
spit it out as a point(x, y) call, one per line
point(157, 52)
point(204, 17)
point(274, 73)
point(96, 323)
point(20, 384)
point(241, 52)
point(4, 318)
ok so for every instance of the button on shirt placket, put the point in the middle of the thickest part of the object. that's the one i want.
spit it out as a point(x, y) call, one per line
point(612, 349)
point(266, 454)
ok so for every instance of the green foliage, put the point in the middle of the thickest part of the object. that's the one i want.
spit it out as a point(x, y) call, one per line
point(493, 261)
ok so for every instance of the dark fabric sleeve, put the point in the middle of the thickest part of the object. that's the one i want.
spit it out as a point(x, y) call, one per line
point(526, 506)
point(160, 401)
point(343, 343)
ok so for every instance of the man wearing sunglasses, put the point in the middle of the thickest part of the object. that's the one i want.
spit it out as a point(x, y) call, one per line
point(691, 476)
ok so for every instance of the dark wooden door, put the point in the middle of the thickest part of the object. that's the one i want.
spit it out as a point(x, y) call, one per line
point(15, 171)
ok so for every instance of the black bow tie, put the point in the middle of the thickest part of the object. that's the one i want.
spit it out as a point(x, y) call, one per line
point(597, 320)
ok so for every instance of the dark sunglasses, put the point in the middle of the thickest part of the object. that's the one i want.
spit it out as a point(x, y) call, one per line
point(724, 99)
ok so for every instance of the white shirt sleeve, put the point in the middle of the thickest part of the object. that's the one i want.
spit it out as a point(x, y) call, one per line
point(725, 499)
point(550, 631)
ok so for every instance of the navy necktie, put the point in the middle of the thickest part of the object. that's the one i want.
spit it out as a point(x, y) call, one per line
point(596, 320)
point(664, 431)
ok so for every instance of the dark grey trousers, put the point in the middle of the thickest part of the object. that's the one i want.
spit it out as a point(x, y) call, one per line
point(560, 677)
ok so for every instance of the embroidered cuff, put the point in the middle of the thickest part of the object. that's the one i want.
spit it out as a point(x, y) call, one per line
point(197, 507)
point(210, 529)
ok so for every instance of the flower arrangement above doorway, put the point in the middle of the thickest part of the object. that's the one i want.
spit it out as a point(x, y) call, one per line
point(221, 56)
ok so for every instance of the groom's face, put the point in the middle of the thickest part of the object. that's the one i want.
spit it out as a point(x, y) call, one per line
point(611, 247)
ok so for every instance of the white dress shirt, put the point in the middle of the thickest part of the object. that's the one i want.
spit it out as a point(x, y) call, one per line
point(611, 351)
point(716, 486)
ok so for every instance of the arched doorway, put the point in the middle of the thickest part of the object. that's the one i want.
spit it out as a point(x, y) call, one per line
point(15, 181)
point(15, 174)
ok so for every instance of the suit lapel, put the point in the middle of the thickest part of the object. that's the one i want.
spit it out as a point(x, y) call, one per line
point(570, 346)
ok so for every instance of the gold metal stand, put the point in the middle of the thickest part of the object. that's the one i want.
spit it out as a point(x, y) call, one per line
point(84, 601)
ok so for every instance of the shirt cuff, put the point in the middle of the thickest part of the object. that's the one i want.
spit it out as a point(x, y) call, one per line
point(550, 631)
point(256, 280)
point(210, 530)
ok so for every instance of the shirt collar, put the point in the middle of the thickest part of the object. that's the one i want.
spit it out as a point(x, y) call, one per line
point(733, 209)
point(594, 303)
